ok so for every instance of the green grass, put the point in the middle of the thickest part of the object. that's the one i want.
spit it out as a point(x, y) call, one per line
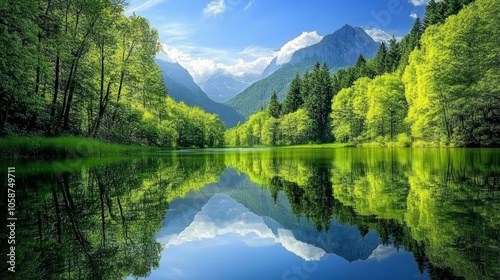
point(63, 147)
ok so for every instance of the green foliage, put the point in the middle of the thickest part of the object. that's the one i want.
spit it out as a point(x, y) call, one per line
point(295, 127)
point(85, 69)
point(379, 62)
point(452, 81)
point(410, 42)
point(393, 55)
point(370, 110)
point(293, 100)
point(274, 106)
point(318, 103)
point(18, 58)
point(437, 11)
point(386, 107)
point(302, 118)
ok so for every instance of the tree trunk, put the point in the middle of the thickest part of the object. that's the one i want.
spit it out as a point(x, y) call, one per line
point(3, 118)
point(56, 90)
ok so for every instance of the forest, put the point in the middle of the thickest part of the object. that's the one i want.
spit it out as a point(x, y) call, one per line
point(83, 68)
point(438, 86)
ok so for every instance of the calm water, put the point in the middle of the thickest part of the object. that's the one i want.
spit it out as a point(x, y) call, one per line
point(260, 214)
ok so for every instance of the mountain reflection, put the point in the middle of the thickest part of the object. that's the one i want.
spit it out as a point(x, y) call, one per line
point(114, 218)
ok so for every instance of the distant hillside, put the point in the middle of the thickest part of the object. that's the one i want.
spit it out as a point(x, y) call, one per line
point(222, 86)
point(181, 87)
point(338, 50)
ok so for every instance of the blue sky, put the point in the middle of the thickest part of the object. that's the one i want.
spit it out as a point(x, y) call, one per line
point(242, 36)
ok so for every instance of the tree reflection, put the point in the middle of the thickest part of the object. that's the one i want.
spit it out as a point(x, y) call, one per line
point(442, 205)
point(100, 221)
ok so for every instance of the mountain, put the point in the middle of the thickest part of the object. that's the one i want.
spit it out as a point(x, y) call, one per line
point(339, 49)
point(271, 68)
point(223, 86)
point(181, 87)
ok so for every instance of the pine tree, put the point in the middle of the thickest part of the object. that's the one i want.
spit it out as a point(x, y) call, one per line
point(293, 100)
point(393, 55)
point(274, 107)
point(452, 7)
point(319, 102)
point(434, 13)
point(305, 86)
point(380, 59)
point(362, 69)
point(410, 42)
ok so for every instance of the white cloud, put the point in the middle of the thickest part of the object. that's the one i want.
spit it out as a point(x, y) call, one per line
point(413, 15)
point(382, 252)
point(214, 8)
point(137, 6)
point(303, 40)
point(421, 2)
point(378, 34)
point(249, 5)
point(243, 67)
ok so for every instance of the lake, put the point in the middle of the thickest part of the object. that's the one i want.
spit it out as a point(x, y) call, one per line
point(284, 213)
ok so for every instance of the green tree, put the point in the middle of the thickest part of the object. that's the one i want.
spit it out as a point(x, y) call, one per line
point(293, 101)
point(393, 54)
point(270, 131)
point(349, 111)
point(18, 54)
point(451, 82)
point(295, 127)
point(410, 42)
point(274, 106)
point(318, 103)
point(387, 107)
point(380, 60)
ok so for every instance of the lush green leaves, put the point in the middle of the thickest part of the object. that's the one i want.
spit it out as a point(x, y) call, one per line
point(84, 68)
point(452, 81)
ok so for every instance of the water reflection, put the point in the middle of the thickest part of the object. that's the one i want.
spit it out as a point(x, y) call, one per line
point(267, 214)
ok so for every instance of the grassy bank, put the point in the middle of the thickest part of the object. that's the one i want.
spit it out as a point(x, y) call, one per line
point(63, 147)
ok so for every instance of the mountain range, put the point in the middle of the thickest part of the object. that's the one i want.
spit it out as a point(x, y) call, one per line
point(182, 88)
point(245, 95)
point(339, 49)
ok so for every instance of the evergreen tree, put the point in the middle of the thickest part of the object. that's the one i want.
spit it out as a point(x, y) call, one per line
point(274, 106)
point(305, 86)
point(362, 69)
point(393, 55)
point(318, 103)
point(380, 60)
point(293, 100)
point(410, 42)
point(452, 7)
point(433, 13)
